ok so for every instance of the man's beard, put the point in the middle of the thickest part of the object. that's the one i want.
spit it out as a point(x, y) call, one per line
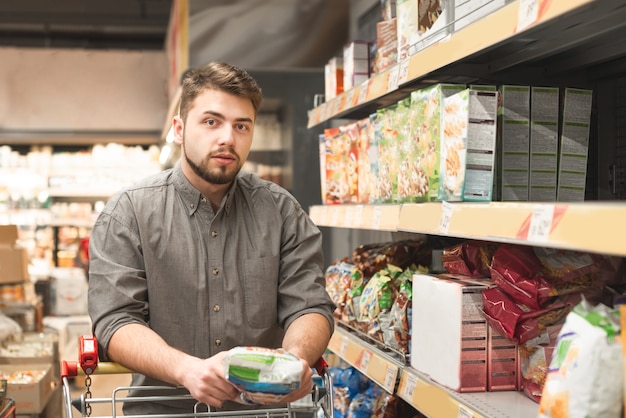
point(215, 177)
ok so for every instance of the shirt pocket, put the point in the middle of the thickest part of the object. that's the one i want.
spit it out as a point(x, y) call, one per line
point(260, 287)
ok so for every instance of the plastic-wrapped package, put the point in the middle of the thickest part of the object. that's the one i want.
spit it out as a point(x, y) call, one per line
point(585, 374)
point(518, 323)
point(338, 281)
point(264, 375)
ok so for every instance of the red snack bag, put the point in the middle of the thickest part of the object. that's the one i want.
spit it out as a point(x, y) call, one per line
point(518, 272)
point(470, 258)
point(516, 322)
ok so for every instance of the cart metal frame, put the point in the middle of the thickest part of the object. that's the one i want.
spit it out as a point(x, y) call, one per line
point(87, 365)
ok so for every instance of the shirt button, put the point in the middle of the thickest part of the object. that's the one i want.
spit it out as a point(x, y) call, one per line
point(218, 342)
point(213, 234)
point(216, 308)
point(192, 206)
point(203, 199)
point(215, 272)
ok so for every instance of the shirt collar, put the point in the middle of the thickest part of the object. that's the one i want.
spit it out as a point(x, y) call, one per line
point(193, 198)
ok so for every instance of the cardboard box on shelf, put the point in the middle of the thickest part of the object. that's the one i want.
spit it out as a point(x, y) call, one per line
point(427, 109)
point(574, 144)
point(30, 386)
point(387, 44)
point(502, 364)
point(544, 138)
point(480, 163)
point(453, 146)
point(514, 142)
point(449, 342)
point(407, 25)
point(13, 258)
point(333, 78)
point(355, 64)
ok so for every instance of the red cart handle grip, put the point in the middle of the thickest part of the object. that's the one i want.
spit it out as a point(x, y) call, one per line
point(88, 353)
point(321, 366)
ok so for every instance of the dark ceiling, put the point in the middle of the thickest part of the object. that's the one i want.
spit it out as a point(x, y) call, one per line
point(89, 24)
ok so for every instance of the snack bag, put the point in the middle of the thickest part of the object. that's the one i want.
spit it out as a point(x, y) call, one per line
point(585, 374)
point(338, 281)
point(265, 376)
point(376, 302)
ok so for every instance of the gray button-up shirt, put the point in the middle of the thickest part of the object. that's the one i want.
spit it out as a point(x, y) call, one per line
point(204, 281)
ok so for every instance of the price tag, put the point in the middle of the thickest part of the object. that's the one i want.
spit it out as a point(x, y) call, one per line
point(343, 347)
point(446, 216)
point(390, 378)
point(409, 387)
point(527, 14)
point(363, 92)
point(403, 72)
point(541, 223)
point(366, 356)
point(377, 216)
point(392, 79)
point(358, 216)
point(465, 413)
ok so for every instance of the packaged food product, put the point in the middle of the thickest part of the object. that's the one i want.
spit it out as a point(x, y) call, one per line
point(338, 281)
point(517, 322)
point(469, 258)
point(264, 375)
point(585, 373)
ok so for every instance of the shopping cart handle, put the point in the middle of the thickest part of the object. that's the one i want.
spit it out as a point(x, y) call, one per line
point(320, 366)
point(69, 368)
point(72, 369)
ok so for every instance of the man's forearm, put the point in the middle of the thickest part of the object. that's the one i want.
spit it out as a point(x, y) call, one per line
point(140, 349)
point(307, 337)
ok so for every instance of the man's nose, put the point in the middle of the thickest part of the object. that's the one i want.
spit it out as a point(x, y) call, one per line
point(227, 136)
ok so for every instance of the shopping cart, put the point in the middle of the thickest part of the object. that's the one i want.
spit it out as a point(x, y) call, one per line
point(321, 401)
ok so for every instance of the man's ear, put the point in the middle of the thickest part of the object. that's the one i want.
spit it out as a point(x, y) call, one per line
point(178, 129)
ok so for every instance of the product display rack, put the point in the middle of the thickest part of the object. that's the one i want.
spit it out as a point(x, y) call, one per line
point(430, 398)
point(590, 226)
point(529, 41)
point(520, 34)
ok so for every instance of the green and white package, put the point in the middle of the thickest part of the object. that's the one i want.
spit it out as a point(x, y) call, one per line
point(264, 375)
point(585, 373)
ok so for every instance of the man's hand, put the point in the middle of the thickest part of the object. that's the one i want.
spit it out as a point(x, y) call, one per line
point(206, 382)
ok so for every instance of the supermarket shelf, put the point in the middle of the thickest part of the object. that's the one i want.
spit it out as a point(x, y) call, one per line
point(418, 390)
point(369, 360)
point(436, 401)
point(376, 217)
point(496, 47)
point(78, 138)
point(586, 226)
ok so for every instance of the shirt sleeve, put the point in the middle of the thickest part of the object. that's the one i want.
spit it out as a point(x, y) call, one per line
point(302, 284)
point(117, 293)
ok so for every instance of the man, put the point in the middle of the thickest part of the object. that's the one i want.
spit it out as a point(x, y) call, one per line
point(201, 258)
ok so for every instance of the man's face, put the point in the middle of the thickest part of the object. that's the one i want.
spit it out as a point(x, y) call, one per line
point(217, 135)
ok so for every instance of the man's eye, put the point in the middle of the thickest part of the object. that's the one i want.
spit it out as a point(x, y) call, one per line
point(242, 127)
point(211, 122)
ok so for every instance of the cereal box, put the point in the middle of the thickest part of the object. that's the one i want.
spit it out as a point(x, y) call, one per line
point(455, 117)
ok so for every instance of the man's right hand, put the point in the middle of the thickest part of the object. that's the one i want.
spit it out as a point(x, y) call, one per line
point(205, 380)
